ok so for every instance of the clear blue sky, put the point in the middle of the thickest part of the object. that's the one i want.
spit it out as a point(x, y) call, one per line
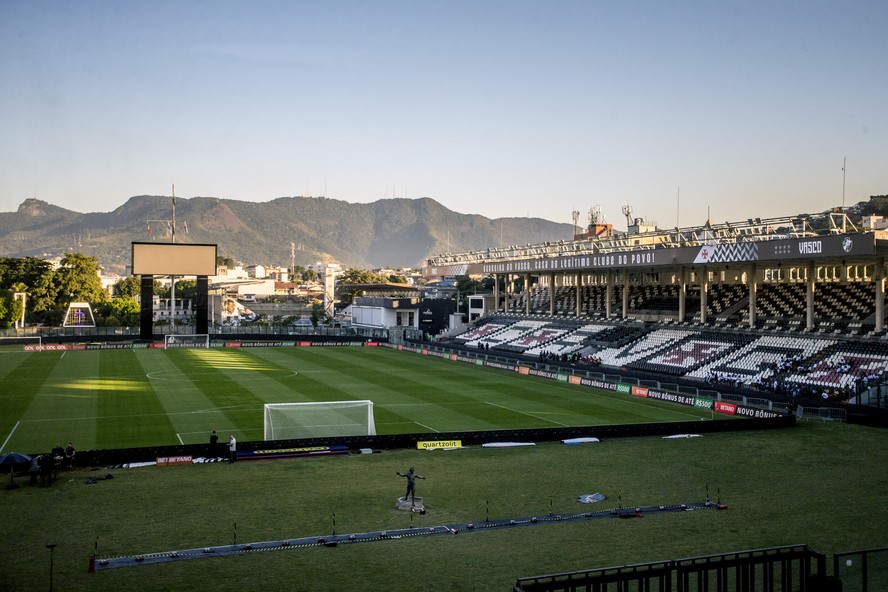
point(500, 108)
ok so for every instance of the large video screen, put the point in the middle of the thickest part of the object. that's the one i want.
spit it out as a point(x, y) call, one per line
point(173, 259)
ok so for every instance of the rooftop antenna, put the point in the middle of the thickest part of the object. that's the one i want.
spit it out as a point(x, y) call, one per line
point(576, 218)
point(627, 211)
point(595, 215)
point(677, 203)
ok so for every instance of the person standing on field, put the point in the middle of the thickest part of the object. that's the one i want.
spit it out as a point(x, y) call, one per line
point(232, 449)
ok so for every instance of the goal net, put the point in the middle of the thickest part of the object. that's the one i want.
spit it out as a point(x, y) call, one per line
point(195, 340)
point(292, 421)
point(34, 343)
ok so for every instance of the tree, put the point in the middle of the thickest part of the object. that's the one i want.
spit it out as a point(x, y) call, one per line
point(318, 314)
point(465, 285)
point(309, 275)
point(348, 283)
point(120, 312)
point(186, 289)
point(130, 287)
point(224, 261)
point(11, 307)
point(77, 280)
point(34, 276)
point(397, 279)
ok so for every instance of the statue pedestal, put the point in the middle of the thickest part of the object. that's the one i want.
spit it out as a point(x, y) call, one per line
point(410, 504)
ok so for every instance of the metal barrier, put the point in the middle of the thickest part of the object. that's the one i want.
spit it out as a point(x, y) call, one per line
point(796, 568)
point(822, 413)
point(862, 571)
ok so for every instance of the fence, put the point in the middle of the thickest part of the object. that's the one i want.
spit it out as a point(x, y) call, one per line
point(740, 399)
point(796, 568)
point(216, 332)
point(862, 571)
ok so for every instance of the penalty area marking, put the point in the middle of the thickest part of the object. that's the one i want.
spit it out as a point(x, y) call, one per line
point(535, 416)
point(11, 432)
point(177, 375)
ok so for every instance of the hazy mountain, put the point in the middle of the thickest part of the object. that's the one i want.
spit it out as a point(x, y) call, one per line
point(385, 233)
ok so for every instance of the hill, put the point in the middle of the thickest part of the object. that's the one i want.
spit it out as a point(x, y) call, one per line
point(386, 233)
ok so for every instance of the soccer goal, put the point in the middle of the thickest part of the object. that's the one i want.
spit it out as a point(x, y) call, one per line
point(194, 340)
point(293, 421)
point(34, 343)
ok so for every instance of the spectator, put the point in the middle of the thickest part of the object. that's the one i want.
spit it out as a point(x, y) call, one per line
point(69, 455)
point(34, 469)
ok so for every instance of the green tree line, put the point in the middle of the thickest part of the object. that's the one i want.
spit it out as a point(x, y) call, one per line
point(49, 291)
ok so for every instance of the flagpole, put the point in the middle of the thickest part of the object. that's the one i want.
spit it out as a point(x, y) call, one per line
point(843, 195)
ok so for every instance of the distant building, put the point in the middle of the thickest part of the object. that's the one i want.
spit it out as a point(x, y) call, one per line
point(429, 315)
point(874, 222)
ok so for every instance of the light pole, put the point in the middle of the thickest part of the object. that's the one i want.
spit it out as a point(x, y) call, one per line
point(51, 547)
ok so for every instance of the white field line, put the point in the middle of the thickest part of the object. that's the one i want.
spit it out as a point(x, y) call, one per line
point(6, 441)
point(180, 439)
point(527, 414)
point(137, 416)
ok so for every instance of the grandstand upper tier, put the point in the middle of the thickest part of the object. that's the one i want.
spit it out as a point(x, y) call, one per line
point(749, 272)
point(728, 235)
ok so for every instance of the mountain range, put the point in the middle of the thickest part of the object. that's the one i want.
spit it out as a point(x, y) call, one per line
point(391, 233)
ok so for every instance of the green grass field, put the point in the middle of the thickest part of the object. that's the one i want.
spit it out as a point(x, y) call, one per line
point(130, 398)
point(821, 484)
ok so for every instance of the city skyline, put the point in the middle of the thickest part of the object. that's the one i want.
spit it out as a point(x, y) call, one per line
point(503, 109)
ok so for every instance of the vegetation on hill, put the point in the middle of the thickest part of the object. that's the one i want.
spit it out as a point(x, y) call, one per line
point(386, 233)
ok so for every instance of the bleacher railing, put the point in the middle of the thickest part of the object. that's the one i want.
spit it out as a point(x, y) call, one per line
point(796, 568)
point(862, 571)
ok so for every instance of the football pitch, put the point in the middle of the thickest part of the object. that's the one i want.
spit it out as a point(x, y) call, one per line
point(821, 484)
point(101, 399)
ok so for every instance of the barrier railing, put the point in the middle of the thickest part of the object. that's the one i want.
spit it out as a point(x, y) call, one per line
point(796, 568)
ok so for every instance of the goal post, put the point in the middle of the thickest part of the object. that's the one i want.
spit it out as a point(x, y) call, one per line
point(294, 421)
point(193, 340)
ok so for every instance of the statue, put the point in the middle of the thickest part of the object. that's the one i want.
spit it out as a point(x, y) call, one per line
point(411, 484)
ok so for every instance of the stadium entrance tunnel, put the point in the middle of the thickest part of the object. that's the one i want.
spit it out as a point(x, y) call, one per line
point(333, 540)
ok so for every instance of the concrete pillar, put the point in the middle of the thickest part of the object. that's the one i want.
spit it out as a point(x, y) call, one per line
point(579, 294)
point(551, 294)
point(879, 277)
point(704, 294)
point(752, 279)
point(682, 293)
point(496, 294)
point(609, 294)
point(809, 296)
point(625, 294)
point(527, 293)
